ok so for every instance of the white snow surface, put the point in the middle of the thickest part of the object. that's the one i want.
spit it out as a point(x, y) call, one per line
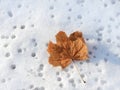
point(26, 27)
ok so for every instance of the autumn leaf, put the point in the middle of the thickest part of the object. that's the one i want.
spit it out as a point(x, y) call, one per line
point(67, 49)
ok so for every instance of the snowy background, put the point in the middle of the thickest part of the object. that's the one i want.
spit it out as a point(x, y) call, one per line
point(26, 26)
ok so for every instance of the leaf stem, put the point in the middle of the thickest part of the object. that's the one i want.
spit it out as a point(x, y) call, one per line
point(83, 81)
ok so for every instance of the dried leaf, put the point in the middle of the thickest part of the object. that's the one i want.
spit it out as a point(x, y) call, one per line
point(67, 49)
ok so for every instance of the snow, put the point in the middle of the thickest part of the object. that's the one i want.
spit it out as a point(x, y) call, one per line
point(26, 27)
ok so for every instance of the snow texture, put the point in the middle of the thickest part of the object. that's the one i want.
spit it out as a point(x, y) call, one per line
point(26, 27)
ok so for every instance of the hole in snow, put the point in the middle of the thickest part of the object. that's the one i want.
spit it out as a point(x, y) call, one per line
point(61, 85)
point(33, 54)
point(22, 27)
point(13, 37)
point(59, 79)
point(7, 54)
point(10, 14)
point(13, 66)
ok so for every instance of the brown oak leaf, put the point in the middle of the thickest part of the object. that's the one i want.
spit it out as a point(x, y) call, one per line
point(67, 49)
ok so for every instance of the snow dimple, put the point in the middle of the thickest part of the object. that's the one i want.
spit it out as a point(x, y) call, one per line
point(28, 26)
point(13, 66)
point(7, 54)
point(22, 27)
point(10, 14)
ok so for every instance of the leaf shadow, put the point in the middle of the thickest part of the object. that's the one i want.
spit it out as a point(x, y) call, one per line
point(100, 51)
